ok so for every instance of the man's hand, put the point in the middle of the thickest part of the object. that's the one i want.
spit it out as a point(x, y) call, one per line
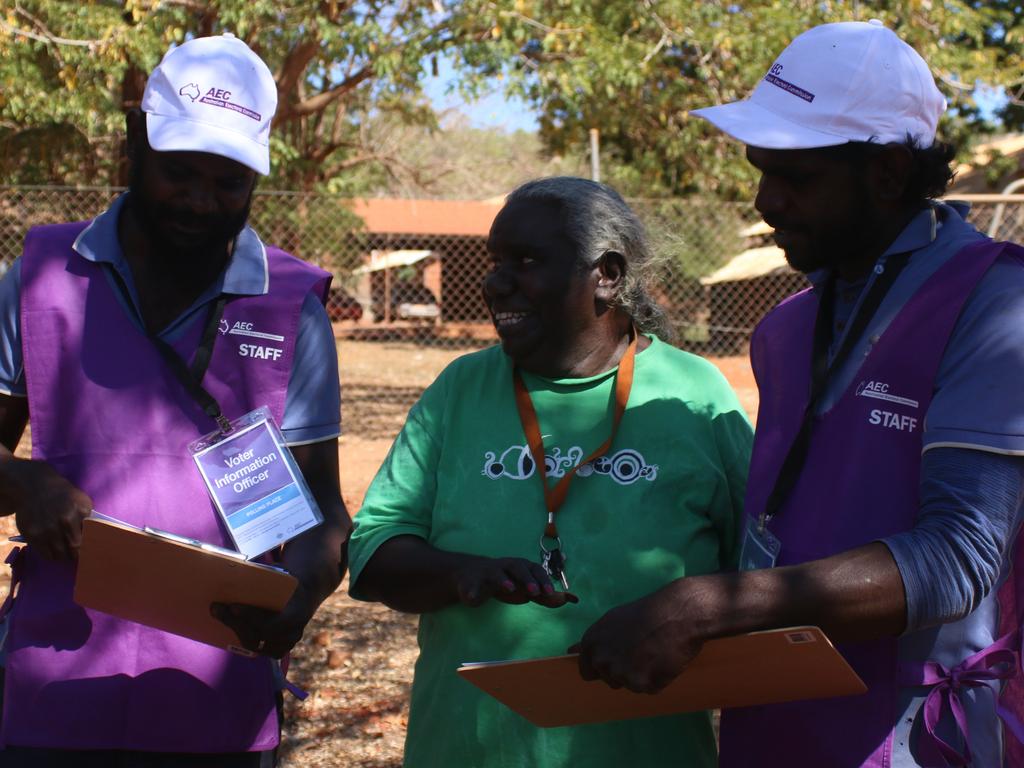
point(643, 645)
point(317, 558)
point(513, 580)
point(268, 632)
point(48, 509)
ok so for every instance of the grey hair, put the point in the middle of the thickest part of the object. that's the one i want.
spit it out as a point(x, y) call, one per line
point(598, 220)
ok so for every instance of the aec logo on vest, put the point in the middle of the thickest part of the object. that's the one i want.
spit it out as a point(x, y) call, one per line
point(258, 351)
point(879, 390)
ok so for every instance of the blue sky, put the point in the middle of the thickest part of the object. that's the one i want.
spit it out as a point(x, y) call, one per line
point(492, 111)
point(496, 111)
point(989, 99)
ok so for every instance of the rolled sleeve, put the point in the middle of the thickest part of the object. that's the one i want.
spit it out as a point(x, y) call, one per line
point(952, 557)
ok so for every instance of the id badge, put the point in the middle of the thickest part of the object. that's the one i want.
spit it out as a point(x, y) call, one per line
point(255, 483)
point(760, 548)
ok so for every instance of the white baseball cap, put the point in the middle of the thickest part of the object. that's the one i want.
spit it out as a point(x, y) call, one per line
point(212, 94)
point(837, 83)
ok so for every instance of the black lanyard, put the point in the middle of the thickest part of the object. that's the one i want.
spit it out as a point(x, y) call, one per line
point(822, 369)
point(191, 376)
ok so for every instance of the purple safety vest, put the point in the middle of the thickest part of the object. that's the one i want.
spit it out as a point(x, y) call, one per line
point(109, 415)
point(859, 484)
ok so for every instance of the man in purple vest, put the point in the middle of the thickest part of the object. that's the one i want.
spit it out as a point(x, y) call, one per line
point(885, 489)
point(91, 317)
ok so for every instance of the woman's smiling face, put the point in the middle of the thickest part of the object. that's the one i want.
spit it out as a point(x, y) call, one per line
point(540, 294)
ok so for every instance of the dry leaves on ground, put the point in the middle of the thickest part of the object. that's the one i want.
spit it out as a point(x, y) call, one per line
point(356, 662)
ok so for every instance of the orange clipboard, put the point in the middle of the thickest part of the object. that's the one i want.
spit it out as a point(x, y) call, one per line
point(169, 584)
point(758, 668)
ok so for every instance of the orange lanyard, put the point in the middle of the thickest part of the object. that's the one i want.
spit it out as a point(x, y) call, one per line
point(555, 497)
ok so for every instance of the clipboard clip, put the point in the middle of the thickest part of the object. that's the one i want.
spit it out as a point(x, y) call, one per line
point(206, 547)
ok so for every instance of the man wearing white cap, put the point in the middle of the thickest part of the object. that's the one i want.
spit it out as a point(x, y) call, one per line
point(122, 340)
point(884, 493)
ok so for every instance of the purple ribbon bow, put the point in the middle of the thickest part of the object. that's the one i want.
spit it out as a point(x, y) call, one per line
point(1000, 661)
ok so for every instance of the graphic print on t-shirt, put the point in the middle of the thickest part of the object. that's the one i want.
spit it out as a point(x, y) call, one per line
point(625, 466)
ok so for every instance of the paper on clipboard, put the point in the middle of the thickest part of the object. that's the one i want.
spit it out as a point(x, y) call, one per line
point(169, 582)
point(757, 668)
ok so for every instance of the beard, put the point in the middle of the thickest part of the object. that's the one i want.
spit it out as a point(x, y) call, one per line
point(844, 240)
point(205, 240)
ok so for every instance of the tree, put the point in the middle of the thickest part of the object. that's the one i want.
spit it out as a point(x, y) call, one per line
point(634, 68)
point(349, 72)
point(456, 160)
point(71, 68)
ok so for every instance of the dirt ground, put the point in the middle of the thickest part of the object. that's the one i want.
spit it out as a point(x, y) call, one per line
point(356, 660)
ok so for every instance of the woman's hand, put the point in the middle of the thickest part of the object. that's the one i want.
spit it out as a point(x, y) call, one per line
point(513, 580)
point(408, 574)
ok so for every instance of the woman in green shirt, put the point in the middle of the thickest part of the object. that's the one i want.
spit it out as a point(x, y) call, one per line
point(456, 523)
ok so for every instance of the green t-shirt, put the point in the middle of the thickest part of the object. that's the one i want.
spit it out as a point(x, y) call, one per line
point(665, 502)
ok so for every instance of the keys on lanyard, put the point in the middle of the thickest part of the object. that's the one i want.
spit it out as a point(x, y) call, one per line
point(553, 559)
point(553, 562)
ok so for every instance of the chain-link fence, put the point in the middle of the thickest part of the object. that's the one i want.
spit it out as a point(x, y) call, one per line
point(411, 271)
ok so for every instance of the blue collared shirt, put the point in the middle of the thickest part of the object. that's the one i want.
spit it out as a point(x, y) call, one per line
point(313, 404)
point(954, 559)
point(932, 238)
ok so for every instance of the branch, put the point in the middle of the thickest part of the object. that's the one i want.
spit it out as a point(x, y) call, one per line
point(332, 9)
point(353, 161)
point(323, 100)
point(295, 65)
point(338, 127)
point(46, 37)
point(527, 62)
point(956, 83)
point(539, 25)
point(665, 28)
point(654, 51)
point(291, 78)
point(188, 5)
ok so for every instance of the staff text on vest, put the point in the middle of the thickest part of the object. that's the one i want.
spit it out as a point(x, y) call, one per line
point(892, 420)
point(261, 353)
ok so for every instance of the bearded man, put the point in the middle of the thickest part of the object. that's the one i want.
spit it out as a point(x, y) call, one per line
point(91, 319)
point(884, 496)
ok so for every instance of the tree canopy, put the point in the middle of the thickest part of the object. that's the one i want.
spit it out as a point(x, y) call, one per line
point(71, 68)
point(634, 68)
point(349, 74)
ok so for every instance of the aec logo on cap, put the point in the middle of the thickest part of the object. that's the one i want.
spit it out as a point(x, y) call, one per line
point(774, 77)
point(218, 97)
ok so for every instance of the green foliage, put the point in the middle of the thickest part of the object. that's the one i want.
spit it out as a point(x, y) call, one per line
point(998, 168)
point(319, 227)
point(634, 68)
point(694, 236)
point(452, 160)
point(352, 117)
point(71, 68)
